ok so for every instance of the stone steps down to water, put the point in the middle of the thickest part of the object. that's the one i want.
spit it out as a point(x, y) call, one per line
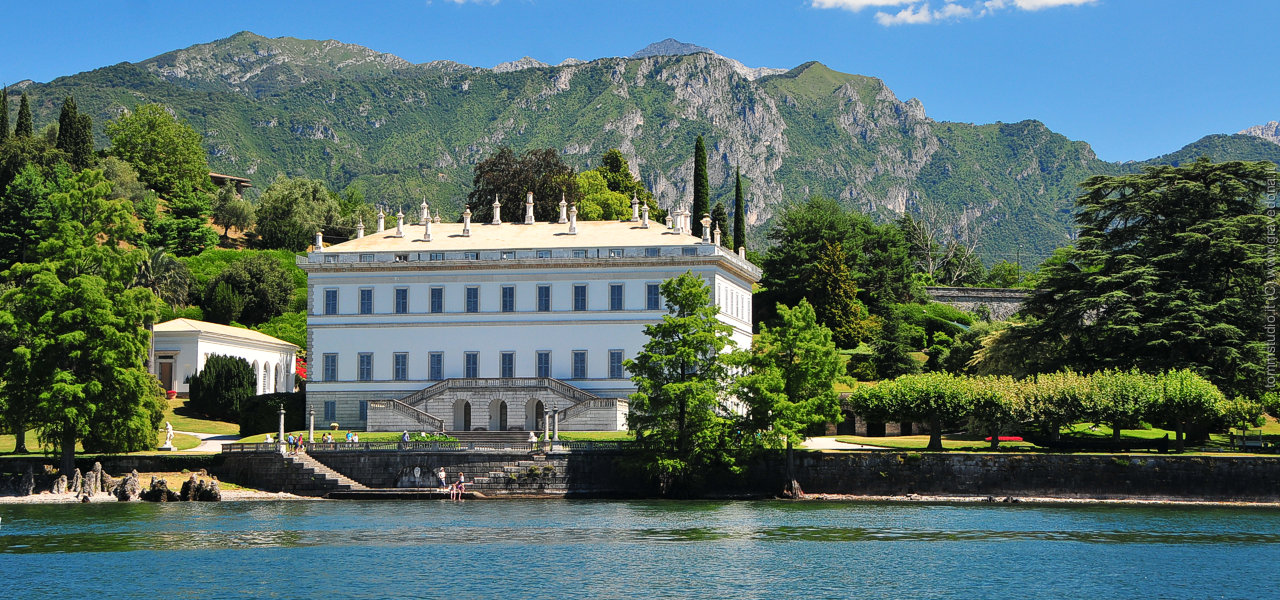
point(537, 475)
point(297, 474)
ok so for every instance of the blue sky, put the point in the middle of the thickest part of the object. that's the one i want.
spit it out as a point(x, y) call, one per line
point(1135, 78)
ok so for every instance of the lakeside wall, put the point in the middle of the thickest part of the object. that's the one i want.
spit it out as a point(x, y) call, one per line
point(599, 474)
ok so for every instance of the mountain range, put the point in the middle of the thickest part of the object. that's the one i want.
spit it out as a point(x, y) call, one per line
point(399, 131)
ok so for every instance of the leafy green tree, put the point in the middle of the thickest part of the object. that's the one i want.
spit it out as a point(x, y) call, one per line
point(75, 135)
point(292, 210)
point(739, 213)
point(793, 368)
point(701, 187)
point(617, 177)
point(679, 411)
point(125, 184)
point(264, 285)
point(290, 327)
point(508, 178)
point(75, 333)
point(935, 399)
point(1243, 413)
point(877, 255)
point(166, 151)
point(1164, 275)
point(230, 210)
point(24, 128)
point(996, 404)
point(184, 228)
point(599, 203)
point(1186, 398)
point(1005, 274)
point(23, 205)
point(222, 386)
point(1121, 399)
point(1055, 400)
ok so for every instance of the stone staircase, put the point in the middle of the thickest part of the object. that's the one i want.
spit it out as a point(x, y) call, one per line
point(307, 475)
point(539, 475)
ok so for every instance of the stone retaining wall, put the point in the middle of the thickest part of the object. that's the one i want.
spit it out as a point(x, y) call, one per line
point(1219, 478)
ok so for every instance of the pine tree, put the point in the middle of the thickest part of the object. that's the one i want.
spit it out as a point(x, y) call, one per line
point(4, 114)
point(75, 134)
point(24, 127)
point(701, 197)
point(82, 151)
point(739, 213)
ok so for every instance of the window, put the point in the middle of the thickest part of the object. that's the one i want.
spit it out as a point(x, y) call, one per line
point(331, 302)
point(652, 297)
point(615, 296)
point(579, 364)
point(615, 364)
point(473, 299)
point(331, 258)
point(402, 258)
point(402, 301)
point(651, 252)
point(615, 253)
point(366, 258)
point(435, 256)
point(366, 301)
point(364, 410)
point(579, 253)
point(580, 296)
point(365, 371)
point(330, 410)
point(508, 255)
point(331, 367)
point(507, 364)
point(688, 251)
point(544, 364)
point(544, 298)
point(544, 254)
point(437, 300)
point(471, 365)
point(400, 366)
point(471, 255)
point(508, 298)
point(435, 366)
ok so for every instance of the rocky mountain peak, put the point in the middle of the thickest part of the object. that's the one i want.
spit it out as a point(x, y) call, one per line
point(669, 47)
point(1268, 131)
point(519, 65)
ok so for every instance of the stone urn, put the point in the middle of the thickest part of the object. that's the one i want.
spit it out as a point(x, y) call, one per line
point(171, 394)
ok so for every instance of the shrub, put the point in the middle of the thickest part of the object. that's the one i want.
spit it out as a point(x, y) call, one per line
point(261, 413)
point(221, 387)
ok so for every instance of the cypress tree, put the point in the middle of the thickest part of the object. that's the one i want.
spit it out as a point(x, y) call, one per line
point(701, 197)
point(67, 125)
point(82, 150)
point(720, 220)
point(4, 114)
point(24, 127)
point(739, 213)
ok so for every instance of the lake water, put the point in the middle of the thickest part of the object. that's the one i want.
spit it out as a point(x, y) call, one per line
point(629, 549)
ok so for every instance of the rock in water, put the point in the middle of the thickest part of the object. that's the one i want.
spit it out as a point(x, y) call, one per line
point(212, 493)
point(59, 485)
point(159, 492)
point(190, 489)
point(129, 488)
point(77, 480)
point(28, 485)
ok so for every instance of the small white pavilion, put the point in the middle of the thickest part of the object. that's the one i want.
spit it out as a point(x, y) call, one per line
point(183, 345)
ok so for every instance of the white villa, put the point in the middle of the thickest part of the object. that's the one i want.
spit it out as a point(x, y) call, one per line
point(464, 326)
point(183, 345)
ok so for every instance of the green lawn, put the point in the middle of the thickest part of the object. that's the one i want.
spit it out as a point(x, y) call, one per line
point(185, 420)
point(919, 442)
point(181, 441)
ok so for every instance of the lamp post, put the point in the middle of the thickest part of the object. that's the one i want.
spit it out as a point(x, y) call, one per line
point(311, 426)
point(280, 439)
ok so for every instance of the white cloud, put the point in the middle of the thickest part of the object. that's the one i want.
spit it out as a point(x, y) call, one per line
point(916, 12)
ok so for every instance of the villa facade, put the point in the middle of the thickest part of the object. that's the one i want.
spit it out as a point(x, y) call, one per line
point(463, 326)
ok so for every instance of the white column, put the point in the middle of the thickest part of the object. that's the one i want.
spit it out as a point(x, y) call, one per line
point(563, 206)
point(573, 220)
point(466, 222)
point(319, 242)
point(644, 217)
point(497, 212)
point(528, 209)
point(382, 220)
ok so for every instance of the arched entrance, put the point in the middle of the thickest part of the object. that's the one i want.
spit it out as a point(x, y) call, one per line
point(498, 415)
point(462, 416)
point(533, 415)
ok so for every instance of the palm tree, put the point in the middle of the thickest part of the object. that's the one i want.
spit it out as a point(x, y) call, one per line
point(166, 277)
